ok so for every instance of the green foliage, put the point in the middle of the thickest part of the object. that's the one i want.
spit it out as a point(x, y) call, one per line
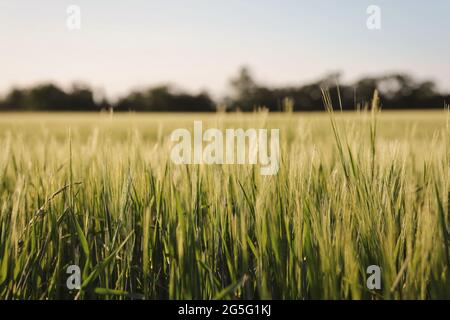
point(353, 190)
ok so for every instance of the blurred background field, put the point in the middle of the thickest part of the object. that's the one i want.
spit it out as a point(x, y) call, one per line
point(393, 124)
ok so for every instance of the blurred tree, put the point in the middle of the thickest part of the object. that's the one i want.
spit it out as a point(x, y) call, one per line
point(244, 90)
point(46, 97)
point(14, 100)
point(165, 98)
point(397, 91)
point(49, 97)
point(81, 98)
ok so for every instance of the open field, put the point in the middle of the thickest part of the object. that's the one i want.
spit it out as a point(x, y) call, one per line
point(99, 191)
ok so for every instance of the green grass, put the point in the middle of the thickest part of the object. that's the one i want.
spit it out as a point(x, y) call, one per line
point(99, 191)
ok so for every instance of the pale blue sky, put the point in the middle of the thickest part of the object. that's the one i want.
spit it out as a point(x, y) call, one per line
point(199, 44)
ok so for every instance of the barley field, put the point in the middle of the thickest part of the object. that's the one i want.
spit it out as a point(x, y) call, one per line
point(99, 191)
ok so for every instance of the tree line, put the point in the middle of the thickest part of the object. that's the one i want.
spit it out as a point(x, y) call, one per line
point(396, 91)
